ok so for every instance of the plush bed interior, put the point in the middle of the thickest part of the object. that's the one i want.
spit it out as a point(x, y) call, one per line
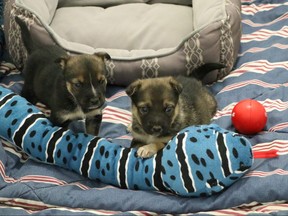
point(157, 27)
point(153, 26)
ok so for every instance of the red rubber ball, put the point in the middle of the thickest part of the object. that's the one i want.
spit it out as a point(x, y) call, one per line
point(249, 116)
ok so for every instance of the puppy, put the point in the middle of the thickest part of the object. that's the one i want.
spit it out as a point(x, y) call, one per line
point(161, 107)
point(73, 87)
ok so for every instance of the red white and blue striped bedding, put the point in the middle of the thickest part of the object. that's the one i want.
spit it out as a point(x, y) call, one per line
point(28, 187)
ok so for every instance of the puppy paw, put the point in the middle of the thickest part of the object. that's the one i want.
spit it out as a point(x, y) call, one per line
point(129, 128)
point(146, 151)
point(149, 150)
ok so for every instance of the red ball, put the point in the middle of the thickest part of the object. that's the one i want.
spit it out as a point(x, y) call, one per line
point(249, 116)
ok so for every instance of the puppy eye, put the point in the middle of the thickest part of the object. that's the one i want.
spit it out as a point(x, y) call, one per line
point(143, 110)
point(77, 85)
point(169, 109)
point(102, 80)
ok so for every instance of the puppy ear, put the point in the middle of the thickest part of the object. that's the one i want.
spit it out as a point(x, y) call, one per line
point(62, 61)
point(133, 88)
point(176, 85)
point(103, 55)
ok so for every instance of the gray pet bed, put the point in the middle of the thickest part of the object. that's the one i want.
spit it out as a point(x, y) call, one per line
point(144, 38)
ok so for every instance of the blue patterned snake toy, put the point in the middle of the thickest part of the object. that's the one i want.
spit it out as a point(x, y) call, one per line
point(198, 161)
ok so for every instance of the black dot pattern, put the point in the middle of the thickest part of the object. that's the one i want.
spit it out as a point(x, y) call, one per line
point(97, 164)
point(69, 147)
point(15, 117)
point(205, 163)
point(195, 159)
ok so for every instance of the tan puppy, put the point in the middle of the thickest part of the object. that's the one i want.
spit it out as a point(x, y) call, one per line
point(161, 107)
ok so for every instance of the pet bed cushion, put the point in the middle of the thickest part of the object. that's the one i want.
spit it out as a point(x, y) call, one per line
point(144, 38)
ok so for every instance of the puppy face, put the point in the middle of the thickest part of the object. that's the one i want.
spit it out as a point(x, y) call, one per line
point(155, 104)
point(85, 77)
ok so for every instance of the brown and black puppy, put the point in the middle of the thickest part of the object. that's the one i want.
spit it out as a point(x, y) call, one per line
point(161, 107)
point(73, 87)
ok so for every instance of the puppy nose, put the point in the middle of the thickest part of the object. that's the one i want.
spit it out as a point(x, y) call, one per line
point(157, 129)
point(94, 101)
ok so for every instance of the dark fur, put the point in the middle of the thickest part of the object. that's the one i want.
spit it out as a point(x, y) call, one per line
point(161, 107)
point(73, 87)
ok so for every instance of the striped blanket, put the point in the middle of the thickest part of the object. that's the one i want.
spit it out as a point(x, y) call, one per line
point(28, 187)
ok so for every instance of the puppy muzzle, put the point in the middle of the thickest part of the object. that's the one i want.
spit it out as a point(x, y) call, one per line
point(93, 103)
point(156, 130)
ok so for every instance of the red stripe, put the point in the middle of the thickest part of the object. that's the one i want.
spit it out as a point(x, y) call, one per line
point(38, 179)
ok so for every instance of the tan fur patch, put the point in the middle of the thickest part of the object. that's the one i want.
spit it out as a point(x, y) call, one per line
point(177, 113)
point(69, 87)
point(135, 114)
point(97, 64)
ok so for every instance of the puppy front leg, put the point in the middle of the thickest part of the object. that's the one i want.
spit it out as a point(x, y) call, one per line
point(28, 93)
point(149, 150)
point(93, 124)
point(57, 120)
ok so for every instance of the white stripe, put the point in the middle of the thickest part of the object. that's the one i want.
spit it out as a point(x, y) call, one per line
point(4, 98)
point(118, 166)
point(92, 87)
point(279, 127)
point(259, 66)
point(187, 161)
point(114, 120)
point(263, 174)
point(262, 49)
point(252, 24)
point(115, 110)
point(253, 207)
point(264, 34)
point(228, 154)
point(116, 96)
point(250, 82)
point(269, 105)
point(126, 170)
point(10, 84)
point(280, 145)
point(47, 146)
point(253, 9)
point(32, 206)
